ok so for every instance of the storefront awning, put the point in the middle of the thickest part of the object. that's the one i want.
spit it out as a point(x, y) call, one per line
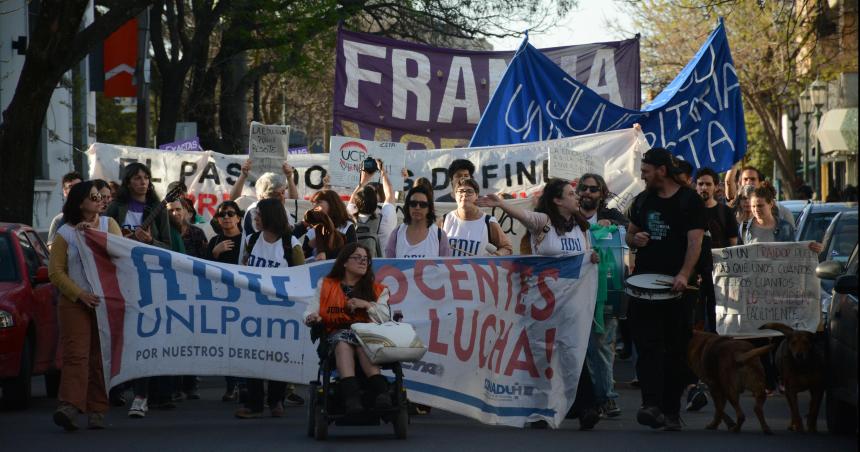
point(838, 130)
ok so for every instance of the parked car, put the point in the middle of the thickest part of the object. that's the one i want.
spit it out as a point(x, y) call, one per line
point(839, 240)
point(795, 206)
point(28, 315)
point(841, 335)
point(815, 218)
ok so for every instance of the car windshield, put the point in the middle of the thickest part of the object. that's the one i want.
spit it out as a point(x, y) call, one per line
point(815, 226)
point(8, 270)
point(844, 238)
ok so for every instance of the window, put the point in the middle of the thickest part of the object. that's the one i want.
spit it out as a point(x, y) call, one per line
point(39, 246)
point(8, 267)
point(30, 256)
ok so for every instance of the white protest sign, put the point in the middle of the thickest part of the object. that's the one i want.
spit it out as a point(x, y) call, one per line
point(347, 155)
point(506, 336)
point(267, 147)
point(763, 283)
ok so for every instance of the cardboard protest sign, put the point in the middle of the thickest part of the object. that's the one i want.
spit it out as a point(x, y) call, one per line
point(267, 147)
point(506, 336)
point(347, 155)
point(766, 282)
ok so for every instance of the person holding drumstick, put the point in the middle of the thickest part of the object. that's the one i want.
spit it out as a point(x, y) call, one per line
point(557, 228)
point(667, 222)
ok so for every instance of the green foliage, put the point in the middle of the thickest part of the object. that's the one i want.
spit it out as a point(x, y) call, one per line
point(114, 126)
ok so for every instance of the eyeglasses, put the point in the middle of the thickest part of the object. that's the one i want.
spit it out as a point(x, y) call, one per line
point(588, 188)
point(95, 197)
point(419, 204)
point(359, 259)
point(465, 192)
point(228, 213)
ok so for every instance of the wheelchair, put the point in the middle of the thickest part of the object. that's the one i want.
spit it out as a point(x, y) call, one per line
point(325, 401)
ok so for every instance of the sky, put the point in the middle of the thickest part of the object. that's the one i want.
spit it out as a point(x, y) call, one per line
point(582, 25)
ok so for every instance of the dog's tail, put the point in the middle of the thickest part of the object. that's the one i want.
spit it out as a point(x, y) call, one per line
point(776, 326)
point(742, 358)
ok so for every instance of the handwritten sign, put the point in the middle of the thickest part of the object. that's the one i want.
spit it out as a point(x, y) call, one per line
point(347, 155)
point(267, 146)
point(570, 164)
point(763, 283)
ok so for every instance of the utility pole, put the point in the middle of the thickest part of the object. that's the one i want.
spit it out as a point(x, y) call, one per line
point(142, 79)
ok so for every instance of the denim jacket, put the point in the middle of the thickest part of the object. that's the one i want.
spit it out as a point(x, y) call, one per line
point(783, 232)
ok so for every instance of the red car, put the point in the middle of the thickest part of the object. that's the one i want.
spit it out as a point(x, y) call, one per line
point(28, 315)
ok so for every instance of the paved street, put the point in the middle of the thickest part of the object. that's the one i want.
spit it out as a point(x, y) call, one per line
point(208, 424)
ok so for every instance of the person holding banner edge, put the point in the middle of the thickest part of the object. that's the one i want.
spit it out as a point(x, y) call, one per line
point(557, 228)
point(272, 246)
point(667, 222)
point(82, 385)
point(347, 295)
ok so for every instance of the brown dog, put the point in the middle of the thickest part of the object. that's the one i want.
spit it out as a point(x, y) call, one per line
point(728, 366)
point(801, 367)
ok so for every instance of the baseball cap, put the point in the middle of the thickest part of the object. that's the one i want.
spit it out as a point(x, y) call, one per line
point(661, 157)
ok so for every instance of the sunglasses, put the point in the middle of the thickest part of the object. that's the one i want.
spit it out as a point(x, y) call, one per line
point(359, 259)
point(419, 204)
point(95, 197)
point(226, 214)
point(588, 188)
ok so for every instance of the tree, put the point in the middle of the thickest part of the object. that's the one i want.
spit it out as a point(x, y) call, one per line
point(56, 44)
point(769, 41)
point(256, 39)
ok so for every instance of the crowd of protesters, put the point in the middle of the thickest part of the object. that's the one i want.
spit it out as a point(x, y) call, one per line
point(670, 228)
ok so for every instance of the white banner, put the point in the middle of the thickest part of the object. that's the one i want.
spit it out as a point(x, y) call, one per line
point(506, 337)
point(516, 169)
point(763, 283)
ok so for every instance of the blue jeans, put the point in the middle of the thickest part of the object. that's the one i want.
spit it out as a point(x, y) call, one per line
point(600, 357)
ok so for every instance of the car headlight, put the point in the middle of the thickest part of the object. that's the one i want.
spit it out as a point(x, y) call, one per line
point(6, 320)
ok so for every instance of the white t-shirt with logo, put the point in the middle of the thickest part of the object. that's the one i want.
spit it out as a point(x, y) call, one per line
point(467, 237)
point(267, 254)
point(429, 247)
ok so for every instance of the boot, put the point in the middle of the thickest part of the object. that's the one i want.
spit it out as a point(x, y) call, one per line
point(379, 387)
point(350, 388)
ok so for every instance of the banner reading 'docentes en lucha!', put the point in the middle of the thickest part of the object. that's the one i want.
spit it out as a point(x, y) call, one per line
point(506, 336)
point(763, 283)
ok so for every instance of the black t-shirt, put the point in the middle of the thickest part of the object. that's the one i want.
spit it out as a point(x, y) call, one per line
point(722, 225)
point(667, 221)
point(227, 257)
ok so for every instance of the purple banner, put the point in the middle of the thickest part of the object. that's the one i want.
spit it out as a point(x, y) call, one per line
point(431, 97)
point(191, 144)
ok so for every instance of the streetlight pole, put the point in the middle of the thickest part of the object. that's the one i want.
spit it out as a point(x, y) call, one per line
point(819, 99)
point(793, 113)
point(806, 108)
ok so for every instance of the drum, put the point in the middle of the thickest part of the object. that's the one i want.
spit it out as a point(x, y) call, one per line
point(651, 286)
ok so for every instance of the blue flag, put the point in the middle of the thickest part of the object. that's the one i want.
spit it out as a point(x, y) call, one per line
point(699, 117)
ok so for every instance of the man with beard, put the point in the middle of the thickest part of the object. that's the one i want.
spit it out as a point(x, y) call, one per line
point(593, 193)
point(721, 231)
point(667, 222)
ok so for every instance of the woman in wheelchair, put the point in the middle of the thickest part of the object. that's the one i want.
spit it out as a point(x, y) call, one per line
point(349, 294)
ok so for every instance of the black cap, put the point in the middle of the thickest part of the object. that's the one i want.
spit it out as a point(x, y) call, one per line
point(661, 157)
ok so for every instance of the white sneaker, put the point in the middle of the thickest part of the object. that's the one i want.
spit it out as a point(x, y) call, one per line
point(138, 408)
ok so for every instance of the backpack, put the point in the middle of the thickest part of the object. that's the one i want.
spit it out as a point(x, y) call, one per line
point(286, 241)
point(367, 234)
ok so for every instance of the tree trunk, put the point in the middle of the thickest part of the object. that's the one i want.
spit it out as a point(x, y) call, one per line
point(774, 138)
point(233, 108)
point(55, 45)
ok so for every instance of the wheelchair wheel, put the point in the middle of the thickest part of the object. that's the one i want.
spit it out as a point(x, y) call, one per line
point(312, 408)
point(320, 425)
point(401, 422)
